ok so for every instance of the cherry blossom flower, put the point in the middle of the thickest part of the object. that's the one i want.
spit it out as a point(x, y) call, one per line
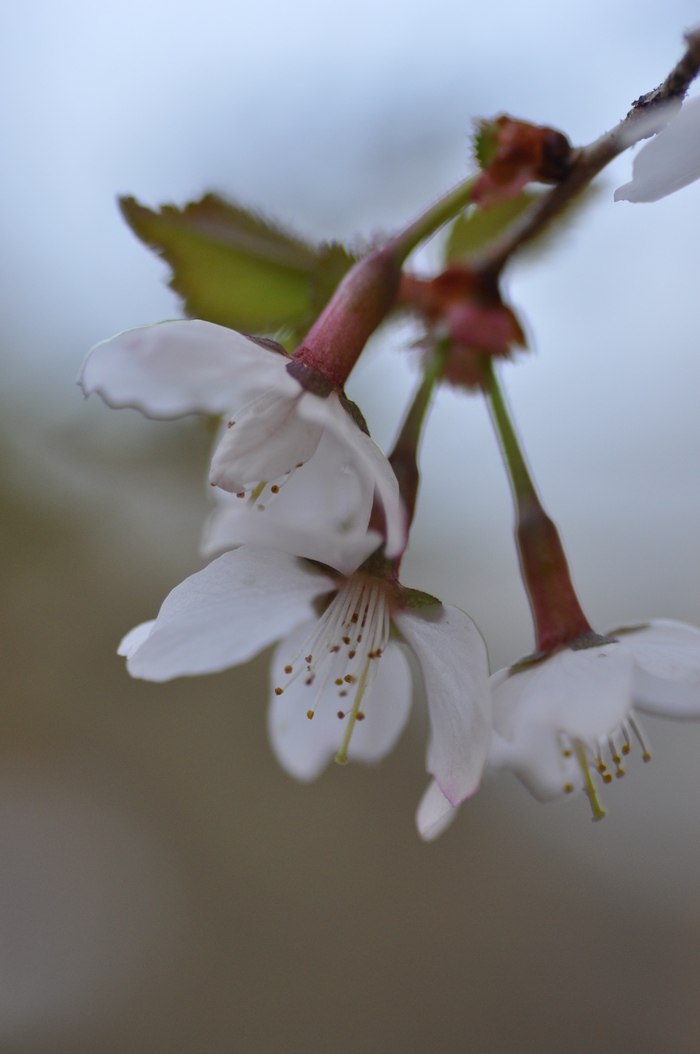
point(341, 683)
point(561, 720)
point(276, 425)
point(669, 161)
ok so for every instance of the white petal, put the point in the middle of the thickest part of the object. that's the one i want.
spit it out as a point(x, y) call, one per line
point(135, 638)
point(226, 614)
point(320, 513)
point(229, 528)
point(304, 747)
point(267, 441)
point(667, 675)
point(368, 460)
point(435, 814)
point(585, 693)
point(537, 759)
point(671, 160)
point(177, 368)
point(452, 658)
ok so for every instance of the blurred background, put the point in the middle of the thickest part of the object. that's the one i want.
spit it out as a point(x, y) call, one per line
point(163, 885)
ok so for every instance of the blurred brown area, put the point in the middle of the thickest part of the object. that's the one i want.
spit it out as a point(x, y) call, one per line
point(225, 907)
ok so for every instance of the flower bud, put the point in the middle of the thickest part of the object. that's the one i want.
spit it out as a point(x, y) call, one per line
point(513, 153)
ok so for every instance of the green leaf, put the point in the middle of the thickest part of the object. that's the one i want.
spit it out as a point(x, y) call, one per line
point(237, 269)
point(472, 232)
point(485, 142)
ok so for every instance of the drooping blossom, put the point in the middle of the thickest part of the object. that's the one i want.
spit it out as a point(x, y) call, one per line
point(341, 683)
point(277, 426)
point(566, 722)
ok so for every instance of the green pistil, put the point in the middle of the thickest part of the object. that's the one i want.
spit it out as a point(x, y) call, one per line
point(257, 492)
point(588, 785)
point(342, 756)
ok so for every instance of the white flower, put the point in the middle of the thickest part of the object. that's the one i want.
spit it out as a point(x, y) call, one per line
point(669, 161)
point(340, 684)
point(275, 427)
point(559, 720)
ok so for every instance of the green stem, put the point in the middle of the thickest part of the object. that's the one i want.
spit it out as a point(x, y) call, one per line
point(430, 221)
point(368, 293)
point(556, 611)
point(521, 481)
point(404, 457)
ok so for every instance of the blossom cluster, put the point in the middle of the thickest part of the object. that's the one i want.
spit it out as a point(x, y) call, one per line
point(310, 521)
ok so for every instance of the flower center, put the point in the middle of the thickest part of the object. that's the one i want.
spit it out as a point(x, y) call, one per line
point(260, 496)
point(592, 755)
point(341, 649)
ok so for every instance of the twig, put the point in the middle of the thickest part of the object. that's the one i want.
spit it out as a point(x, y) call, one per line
point(588, 161)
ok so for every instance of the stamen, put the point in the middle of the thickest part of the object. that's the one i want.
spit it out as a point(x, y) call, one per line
point(626, 746)
point(615, 755)
point(636, 728)
point(336, 657)
point(310, 714)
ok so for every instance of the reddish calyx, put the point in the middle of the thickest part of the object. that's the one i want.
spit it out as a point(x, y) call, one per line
point(465, 309)
point(359, 305)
